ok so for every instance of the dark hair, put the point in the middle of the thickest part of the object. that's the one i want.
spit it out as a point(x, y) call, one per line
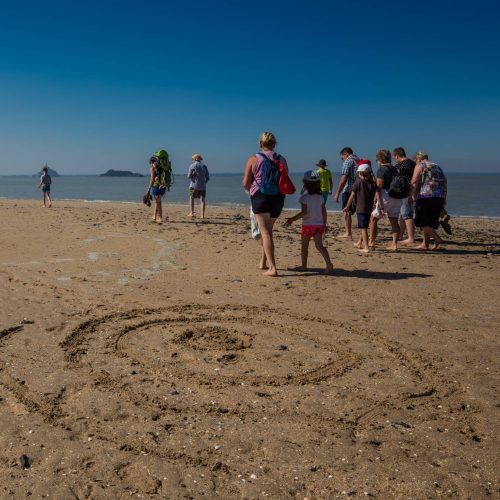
point(313, 187)
point(346, 151)
point(154, 160)
point(45, 169)
point(383, 156)
point(399, 152)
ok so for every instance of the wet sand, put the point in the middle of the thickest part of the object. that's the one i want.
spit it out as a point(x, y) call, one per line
point(156, 362)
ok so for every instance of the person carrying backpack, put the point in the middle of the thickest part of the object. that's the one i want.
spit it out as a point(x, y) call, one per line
point(262, 180)
point(160, 180)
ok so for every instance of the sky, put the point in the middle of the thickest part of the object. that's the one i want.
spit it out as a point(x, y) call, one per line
point(88, 86)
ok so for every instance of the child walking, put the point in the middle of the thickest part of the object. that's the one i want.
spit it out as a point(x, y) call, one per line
point(364, 191)
point(45, 182)
point(325, 177)
point(314, 217)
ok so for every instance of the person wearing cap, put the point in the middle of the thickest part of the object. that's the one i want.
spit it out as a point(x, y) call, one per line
point(325, 177)
point(314, 218)
point(364, 192)
point(347, 179)
point(198, 177)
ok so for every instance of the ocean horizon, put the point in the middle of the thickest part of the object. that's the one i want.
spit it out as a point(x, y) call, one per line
point(469, 195)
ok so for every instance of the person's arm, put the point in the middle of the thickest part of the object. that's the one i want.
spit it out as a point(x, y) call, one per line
point(415, 181)
point(342, 183)
point(151, 179)
point(39, 184)
point(378, 197)
point(207, 175)
point(298, 216)
point(412, 192)
point(248, 175)
point(330, 185)
point(349, 202)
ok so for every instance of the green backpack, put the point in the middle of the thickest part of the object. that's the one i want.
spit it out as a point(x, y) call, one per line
point(166, 175)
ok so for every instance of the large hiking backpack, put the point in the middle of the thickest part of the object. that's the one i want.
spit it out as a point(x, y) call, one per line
point(166, 177)
point(400, 185)
point(269, 175)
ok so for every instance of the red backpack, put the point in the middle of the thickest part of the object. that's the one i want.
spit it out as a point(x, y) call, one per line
point(285, 184)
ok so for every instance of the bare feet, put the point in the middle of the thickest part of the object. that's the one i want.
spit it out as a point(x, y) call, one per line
point(329, 269)
point(262, 264)
point(407, 242)
point(364, 250)
point(357, 245)
point(345, 236)
point(392, 248)
point(422, 247)
point(192, 214)
point(271, 273)
point(436, 245)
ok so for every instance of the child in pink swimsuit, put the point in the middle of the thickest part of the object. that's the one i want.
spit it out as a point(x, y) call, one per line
point(313, 215)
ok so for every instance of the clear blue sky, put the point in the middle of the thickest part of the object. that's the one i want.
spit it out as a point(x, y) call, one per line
point(91, 85)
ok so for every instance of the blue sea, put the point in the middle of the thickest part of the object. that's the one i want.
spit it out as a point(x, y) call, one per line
point(468, 195)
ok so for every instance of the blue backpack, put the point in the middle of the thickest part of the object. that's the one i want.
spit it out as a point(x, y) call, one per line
point(269, 175)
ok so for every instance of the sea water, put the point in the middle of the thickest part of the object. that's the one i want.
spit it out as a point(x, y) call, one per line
point(468, 195)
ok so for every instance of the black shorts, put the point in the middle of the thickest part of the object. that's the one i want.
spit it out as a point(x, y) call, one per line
point(267, 204)
point(345, 199)
point(363, 220)
point(427, 212)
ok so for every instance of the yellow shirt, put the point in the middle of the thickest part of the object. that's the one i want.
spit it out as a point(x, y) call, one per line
point(324, 178)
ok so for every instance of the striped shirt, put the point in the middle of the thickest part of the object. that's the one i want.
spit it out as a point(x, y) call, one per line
point(349, 168)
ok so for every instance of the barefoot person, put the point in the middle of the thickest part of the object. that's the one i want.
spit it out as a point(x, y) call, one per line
point(347, 179)
point(406, 166)
point(314, 218)
point(45, 182)
point(156, 189)
point(267, 202)
point(198, 177)
point(391, 206)
point(364, 192)
point(430, 185)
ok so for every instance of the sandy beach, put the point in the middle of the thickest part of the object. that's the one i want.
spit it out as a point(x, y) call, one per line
point(156, 362)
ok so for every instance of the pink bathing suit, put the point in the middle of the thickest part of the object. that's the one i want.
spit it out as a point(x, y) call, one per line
point(254, 187)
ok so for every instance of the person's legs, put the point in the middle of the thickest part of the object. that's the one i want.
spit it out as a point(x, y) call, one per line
point(394, 233)
point(433, 235)
point(202, 205)
point(191, 206)
point(373, 231)
point(426, 239)
point(410, 229)
point(318, 240)
point(48, 198)
point(347, 218)
point(304, 251)
point(266, 224)
point(364, 239)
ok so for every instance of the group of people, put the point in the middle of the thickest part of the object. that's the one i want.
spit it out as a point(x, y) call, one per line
point(412, 193)
point(161, 178)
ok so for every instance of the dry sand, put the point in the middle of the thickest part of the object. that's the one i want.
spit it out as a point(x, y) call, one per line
point(154, 361)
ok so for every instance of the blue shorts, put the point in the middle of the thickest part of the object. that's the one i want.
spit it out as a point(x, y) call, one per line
point(325, 195)
point(158, 191)
point(363, 219)
point(46, 188)
point(407, 211)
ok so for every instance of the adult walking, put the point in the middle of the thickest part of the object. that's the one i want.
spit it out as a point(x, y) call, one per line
point(431, 188)
point(347, 179)
point(390, 205)
point(267, 207)
point(198, 177)
point(406, 166)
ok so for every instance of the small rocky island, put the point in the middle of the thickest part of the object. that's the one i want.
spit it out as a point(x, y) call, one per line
point(120, 173)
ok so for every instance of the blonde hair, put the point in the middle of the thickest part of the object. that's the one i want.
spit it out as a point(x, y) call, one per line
point(267, 140)
point(196, 157)
point(421, 156)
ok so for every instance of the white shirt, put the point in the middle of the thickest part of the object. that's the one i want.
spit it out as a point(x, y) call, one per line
point(314, 216)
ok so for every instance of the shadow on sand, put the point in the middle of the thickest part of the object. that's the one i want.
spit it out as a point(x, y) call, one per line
point(355, 273)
